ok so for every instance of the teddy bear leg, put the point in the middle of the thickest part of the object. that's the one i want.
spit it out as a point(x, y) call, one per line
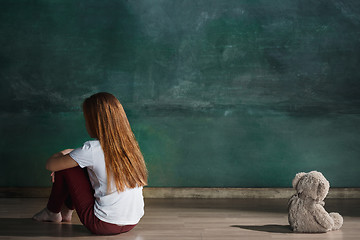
point(338, 220)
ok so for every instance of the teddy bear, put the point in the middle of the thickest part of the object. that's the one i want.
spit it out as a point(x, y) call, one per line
point(306, 208)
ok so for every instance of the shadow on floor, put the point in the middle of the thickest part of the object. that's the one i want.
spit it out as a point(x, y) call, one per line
point(271, 228)
point(29, 227)
point(346, 207)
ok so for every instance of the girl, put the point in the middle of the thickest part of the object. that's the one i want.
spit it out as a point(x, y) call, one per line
point(103, 180)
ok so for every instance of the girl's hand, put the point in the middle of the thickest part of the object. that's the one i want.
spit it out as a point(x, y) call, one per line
point(53, 177)
point(66, 151)
point(60, 161)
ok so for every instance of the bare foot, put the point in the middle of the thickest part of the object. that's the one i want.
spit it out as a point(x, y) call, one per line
point(46, 216)
point(66, 214)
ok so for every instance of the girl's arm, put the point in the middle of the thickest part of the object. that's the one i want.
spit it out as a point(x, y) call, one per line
point(60, 161)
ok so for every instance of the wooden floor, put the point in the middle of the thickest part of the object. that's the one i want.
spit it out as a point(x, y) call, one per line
point(184, 219)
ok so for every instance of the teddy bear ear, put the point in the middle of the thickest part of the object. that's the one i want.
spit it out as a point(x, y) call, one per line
point(322, 191)
point(298, 176)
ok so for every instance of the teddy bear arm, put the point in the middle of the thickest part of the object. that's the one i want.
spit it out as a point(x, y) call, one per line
point(323, 218)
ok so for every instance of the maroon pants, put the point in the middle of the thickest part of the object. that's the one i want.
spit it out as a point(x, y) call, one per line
point(72, 187)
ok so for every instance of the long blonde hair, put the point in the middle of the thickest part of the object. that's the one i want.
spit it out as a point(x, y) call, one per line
point(106, 120)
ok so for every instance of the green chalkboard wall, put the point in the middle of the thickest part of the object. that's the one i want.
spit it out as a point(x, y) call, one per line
point(235, 93)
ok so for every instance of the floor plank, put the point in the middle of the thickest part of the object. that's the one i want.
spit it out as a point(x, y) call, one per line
point(185, 219)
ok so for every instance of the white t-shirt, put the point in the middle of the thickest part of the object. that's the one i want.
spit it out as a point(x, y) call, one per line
point(121, 208)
